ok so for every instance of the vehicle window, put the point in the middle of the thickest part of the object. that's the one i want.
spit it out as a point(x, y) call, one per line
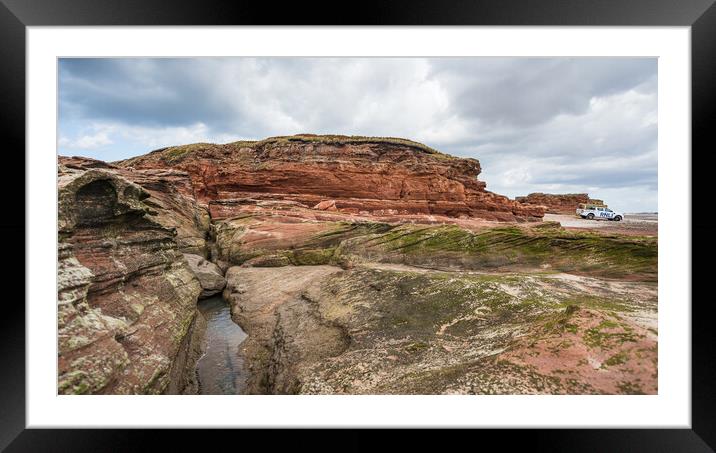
point(609, 210)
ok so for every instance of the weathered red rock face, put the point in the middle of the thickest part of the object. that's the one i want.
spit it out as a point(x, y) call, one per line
point(556, 203)
point(359, 176)
point(126, 296)
point(170, 199)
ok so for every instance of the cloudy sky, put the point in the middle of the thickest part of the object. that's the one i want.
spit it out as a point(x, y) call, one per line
point(550, 125)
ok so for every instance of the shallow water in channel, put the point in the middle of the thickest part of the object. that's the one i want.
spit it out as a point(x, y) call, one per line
point(220, 369)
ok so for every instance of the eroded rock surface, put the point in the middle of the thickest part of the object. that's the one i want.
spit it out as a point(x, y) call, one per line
point(126, 297)
point(387, 329)
point(283, 330)
point(168, 194)
point(543, 246)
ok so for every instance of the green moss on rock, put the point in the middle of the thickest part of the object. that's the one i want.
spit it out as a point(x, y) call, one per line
point(310, 257)
point(511, 247)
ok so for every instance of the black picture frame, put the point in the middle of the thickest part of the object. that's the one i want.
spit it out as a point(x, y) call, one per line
point(16, 15)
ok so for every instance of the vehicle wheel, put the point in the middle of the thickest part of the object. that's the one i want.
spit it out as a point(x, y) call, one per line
point(590, 216)
point(618, 218)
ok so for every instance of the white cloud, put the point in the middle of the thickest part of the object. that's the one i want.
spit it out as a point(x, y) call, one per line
point(535, 124)
point(157, 137)
point(144, 138)
point(86, 142)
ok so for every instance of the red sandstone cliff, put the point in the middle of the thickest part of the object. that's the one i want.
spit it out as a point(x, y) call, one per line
point(126, 293)
point(169, 196)
point(126, 296)
point(369, 176)
point(556, 203)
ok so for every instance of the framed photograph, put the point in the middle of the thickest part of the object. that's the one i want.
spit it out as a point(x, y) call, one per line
point(469, 216)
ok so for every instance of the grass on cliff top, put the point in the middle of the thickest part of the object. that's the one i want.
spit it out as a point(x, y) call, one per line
point(170, 154)
point(341, 140)
point(175, 154)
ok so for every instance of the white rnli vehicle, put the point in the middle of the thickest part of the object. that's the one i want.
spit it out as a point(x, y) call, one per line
point(599, 212)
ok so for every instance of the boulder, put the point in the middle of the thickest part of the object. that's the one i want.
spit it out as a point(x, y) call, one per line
point(210, 277)
point(326, 205)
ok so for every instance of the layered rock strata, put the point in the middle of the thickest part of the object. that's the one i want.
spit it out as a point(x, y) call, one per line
point(355, 175)
point(355, 265)
point(126, 296)
point(169, 198)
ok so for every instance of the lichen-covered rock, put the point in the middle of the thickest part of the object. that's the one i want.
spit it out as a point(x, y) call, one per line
point(278, 240)
point(209, 274)
point(440, 309)
point(395, 329)
point(126, 297)
point(377, 176)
